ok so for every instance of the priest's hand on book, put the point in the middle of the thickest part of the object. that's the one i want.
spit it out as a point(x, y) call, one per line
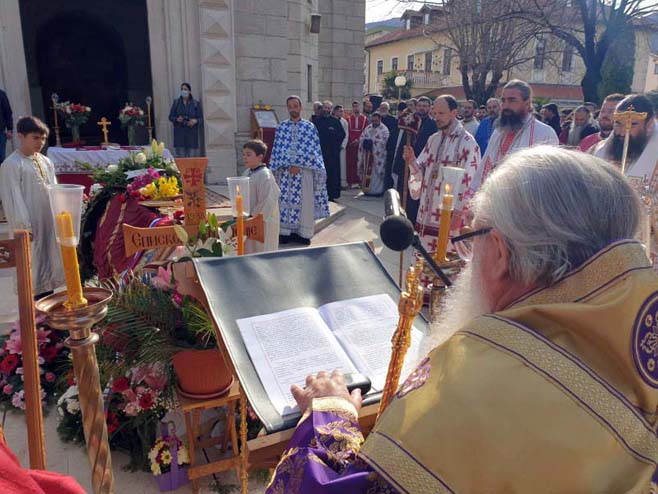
point(323, 385)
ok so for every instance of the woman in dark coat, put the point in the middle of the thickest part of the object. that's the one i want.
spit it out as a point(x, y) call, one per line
point(186, 116)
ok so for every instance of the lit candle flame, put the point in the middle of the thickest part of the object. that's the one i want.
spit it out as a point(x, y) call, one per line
point(447, 189)
point(237, 189)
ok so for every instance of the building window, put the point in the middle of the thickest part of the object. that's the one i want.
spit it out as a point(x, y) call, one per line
point(447, 60)
point(380, 67)
point(309, 82)
point(540, 53)
point(426, 19)
point(655, 68)
point(428, 61)
point(567, 58)
point(407, 24)
point(394, 63)
point(410, 62)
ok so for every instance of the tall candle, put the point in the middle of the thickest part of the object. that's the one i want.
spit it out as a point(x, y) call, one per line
point(240, 220)
point(444, 226)
point(75, 300)
point(148, 114)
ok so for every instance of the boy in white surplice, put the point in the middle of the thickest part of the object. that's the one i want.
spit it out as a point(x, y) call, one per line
point(24, 177)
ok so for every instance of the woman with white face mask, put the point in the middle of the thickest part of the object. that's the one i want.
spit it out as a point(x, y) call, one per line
point(186, 116)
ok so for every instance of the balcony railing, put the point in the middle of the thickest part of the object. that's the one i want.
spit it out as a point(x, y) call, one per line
point(420, 79)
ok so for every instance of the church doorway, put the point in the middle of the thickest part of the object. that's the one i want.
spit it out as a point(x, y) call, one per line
point(92, 52)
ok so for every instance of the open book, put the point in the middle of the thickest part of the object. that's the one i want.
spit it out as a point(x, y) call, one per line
point(351, 335)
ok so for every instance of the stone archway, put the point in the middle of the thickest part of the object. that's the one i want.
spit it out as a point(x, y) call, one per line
point(93, 52)
point(92, 73)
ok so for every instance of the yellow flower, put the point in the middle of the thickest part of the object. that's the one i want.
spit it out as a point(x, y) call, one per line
point(155, 468)
point(166, 457)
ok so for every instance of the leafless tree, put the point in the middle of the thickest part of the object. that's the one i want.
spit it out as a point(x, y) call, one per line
point(590, 26)
point(487, 41)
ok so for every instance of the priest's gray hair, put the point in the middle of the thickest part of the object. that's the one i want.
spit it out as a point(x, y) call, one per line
point(555, 209)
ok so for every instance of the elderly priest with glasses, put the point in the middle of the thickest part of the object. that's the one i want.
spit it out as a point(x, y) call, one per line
point(543, 375)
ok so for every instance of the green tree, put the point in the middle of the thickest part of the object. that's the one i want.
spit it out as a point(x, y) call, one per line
point(617, 69)
point(391, 90)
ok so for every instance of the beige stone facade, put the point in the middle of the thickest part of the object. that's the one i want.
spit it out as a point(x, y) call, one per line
point(432, 66)
point(238, 52)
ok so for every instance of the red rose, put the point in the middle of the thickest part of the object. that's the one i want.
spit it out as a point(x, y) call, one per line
point(9, 363)
point(112, 422)
point(70, 378)
point(49, 353)
point(120, 385)
point(146, 401)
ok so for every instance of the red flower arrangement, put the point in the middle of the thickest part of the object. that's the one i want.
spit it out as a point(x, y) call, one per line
point(52, 353)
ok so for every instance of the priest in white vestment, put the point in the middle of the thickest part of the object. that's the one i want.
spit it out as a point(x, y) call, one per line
point(372, 147)
point(518, 128)
point(24, 177)
point(642, 158)
point(451, 146)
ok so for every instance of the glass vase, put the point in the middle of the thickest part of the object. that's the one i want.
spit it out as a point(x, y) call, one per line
point(131, 135)
point(75, 133)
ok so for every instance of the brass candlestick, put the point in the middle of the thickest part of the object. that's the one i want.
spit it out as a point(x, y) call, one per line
point(149, 126)
point(55, 99)
point(81, 342)
point(411, 302)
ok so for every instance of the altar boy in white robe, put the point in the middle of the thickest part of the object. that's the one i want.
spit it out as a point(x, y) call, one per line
point(24, 177)
point(263, 195)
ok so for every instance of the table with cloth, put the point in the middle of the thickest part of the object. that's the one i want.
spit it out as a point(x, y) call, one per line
point(67, 161)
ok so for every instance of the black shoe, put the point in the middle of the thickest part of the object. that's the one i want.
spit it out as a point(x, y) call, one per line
point(300, 240)
point(284, 239)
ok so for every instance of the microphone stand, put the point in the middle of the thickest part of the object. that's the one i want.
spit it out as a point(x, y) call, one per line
point(430, 260)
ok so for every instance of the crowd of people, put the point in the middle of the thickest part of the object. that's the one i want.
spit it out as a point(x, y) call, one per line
point(543, 358)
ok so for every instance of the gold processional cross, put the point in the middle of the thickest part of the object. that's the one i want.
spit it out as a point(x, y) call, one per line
point(627, 118)
point(104, 123)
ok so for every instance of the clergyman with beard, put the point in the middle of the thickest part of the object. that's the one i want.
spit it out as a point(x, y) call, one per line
point(605, 122)
point(545, 365)
point(518, 128)
point(642, 143)
point(582, 126)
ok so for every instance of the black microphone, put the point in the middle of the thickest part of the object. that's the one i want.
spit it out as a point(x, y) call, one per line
point(397, 232)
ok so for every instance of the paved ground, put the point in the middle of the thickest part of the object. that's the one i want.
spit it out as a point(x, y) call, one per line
point(353, 219)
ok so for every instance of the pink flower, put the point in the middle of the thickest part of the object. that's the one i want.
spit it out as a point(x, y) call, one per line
point(8, 389)
point(177, 298)
point(129, 395)
point(131, 409)
point(156, 381)
point(42, 336)
point(18, 400)
point(13, 344)
point(50, 377)
point(163, 280)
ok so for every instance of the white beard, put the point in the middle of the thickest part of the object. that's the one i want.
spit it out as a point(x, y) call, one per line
point(463, 302)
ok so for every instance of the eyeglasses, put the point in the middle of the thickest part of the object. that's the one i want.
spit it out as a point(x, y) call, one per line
point(463, 244)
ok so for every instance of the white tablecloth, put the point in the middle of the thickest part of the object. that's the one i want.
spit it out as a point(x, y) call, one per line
point(65, 159)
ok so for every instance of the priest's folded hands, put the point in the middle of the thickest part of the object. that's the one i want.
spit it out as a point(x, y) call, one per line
point(541, 374)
